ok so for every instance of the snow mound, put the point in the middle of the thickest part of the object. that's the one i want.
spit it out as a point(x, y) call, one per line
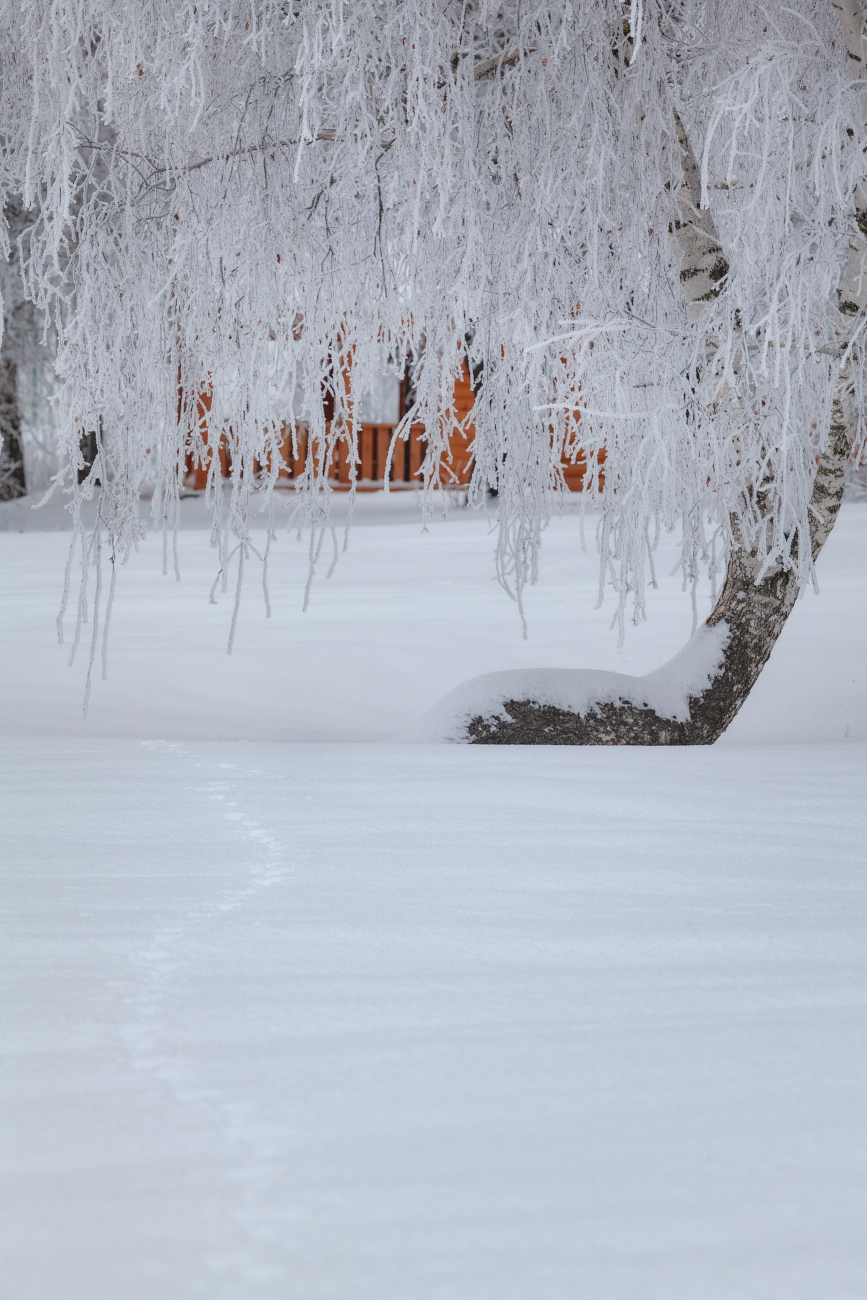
point(667, 690)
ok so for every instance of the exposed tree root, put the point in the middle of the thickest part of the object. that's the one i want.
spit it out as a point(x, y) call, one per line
point(755, 614)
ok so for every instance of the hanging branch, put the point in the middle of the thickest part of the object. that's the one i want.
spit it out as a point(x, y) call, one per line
point(228, 222)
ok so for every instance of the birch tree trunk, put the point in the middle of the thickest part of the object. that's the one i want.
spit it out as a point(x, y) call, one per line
point(11, 460)
point(753, 608)
point(12, 482)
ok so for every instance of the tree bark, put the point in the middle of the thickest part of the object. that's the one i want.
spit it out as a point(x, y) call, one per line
point(754, 611)
point(12, 482)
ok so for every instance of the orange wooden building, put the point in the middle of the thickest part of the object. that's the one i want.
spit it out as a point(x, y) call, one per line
point(374, 443)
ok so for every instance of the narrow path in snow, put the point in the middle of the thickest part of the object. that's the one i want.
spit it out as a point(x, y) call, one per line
point(384, 1021)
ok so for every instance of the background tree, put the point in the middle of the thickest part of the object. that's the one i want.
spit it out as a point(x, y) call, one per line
point(16, 319)
point(637, 223)
point(28, 454)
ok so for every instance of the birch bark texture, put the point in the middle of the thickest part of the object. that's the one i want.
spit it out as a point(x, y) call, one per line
point(14, 340)
point(756, 599)
point(11, 458)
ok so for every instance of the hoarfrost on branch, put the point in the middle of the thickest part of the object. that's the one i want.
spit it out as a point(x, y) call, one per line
point(537, 191)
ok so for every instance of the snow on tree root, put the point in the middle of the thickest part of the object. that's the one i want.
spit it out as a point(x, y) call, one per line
point(559, 705)
point(708, 681)
point(754, 616)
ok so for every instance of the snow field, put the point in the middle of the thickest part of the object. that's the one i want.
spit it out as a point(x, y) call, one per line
point(384, 1021)
point(378, 1021)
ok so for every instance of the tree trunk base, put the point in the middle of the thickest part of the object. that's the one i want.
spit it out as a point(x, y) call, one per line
point(606, 724)
point(754, 613)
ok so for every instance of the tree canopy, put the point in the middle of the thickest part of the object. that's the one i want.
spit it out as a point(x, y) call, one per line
point(638, 223)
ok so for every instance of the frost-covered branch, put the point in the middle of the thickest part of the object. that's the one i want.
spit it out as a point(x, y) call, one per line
point(245, 200)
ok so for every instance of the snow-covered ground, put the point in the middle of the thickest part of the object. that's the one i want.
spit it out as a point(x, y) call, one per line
point(292, 1010)
point(408, 616)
